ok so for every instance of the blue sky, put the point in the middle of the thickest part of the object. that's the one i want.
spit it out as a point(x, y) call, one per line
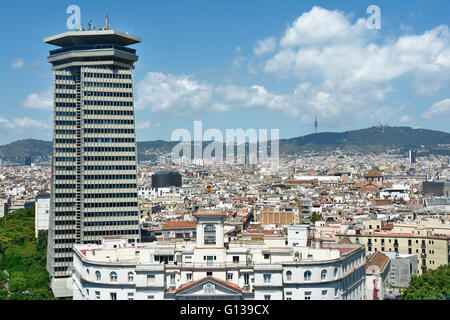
point(246, 64)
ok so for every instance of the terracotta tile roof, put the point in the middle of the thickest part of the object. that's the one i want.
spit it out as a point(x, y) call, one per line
point(387, 226)
point(374, 173)
point(369, 187)
point(381, 202)
point(377, 259)
point(209, 214)
point(346, 250)
point(345, 240)
point(174, 224)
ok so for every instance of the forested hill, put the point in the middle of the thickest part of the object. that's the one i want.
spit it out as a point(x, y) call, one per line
point(374, 139)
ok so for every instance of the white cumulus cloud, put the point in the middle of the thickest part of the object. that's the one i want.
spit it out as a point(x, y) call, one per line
point(340, 71)
point(345, 74)
point(184, 95)
point(440, 111)
point(265, 46)
point(42, 100)
point(21, 124)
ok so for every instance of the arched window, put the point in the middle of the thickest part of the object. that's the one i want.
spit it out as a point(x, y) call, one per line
point(307, 275)
point(98, 275)
point(210, 234)
point(288, 276)
point(113, 276)
point(130, 276)
point(323, 275)
point(335, 272)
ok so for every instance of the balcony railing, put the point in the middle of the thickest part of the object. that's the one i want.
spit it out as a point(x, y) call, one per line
point(208, 264)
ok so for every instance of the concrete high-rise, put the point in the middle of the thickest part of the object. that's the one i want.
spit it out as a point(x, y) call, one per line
point(412, 157)
point(94, 192)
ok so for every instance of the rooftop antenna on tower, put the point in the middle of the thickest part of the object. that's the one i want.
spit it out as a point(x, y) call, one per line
point(315, 125)
point(107, 22)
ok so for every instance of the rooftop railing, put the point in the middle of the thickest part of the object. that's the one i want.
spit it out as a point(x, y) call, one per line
point(92, 47)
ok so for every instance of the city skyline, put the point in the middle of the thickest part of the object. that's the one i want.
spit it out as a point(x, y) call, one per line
point(350, 100)
point(239, 72)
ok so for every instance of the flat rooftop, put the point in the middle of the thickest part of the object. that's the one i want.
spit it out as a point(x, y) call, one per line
point(74, 38)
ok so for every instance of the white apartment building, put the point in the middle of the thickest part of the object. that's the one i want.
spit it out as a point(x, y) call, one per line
point(41, 213)
point(4, 207)
point(209, 268)
point(397, 192)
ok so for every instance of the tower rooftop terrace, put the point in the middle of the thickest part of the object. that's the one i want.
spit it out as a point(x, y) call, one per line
point(75, 38)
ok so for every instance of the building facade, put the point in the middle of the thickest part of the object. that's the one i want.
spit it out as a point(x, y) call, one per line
point(164, 179)
point(436, 188)
point(377, 272)
point(212, 268)
point(41, 212)
point(431, 250)
point(94, 174)
point(4, 207)
point(402, 267)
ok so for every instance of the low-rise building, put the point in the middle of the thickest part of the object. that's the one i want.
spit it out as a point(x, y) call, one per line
point(431, 251)
point(4, 207)
point(209, 268)
point(402, 267)
point(377, 271)
point(41, 212)
point(179, 230)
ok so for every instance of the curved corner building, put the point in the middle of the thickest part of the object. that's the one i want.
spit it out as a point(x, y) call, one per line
point(94, 173)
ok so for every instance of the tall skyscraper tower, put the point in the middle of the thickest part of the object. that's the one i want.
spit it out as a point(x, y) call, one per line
point(94, 191)
point(412, 157)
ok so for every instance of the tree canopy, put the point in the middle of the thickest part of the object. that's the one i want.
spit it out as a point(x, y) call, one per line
point(433, 285)
point(23, 275)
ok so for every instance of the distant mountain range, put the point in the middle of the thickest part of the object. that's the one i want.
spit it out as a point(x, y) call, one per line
point(374, 139)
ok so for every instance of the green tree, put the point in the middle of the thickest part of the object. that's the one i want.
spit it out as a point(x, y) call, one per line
point(315, 217)
point(42, 241)
point(433, 285)
point(17, 282)
point(24, 258)
point(3, 294)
